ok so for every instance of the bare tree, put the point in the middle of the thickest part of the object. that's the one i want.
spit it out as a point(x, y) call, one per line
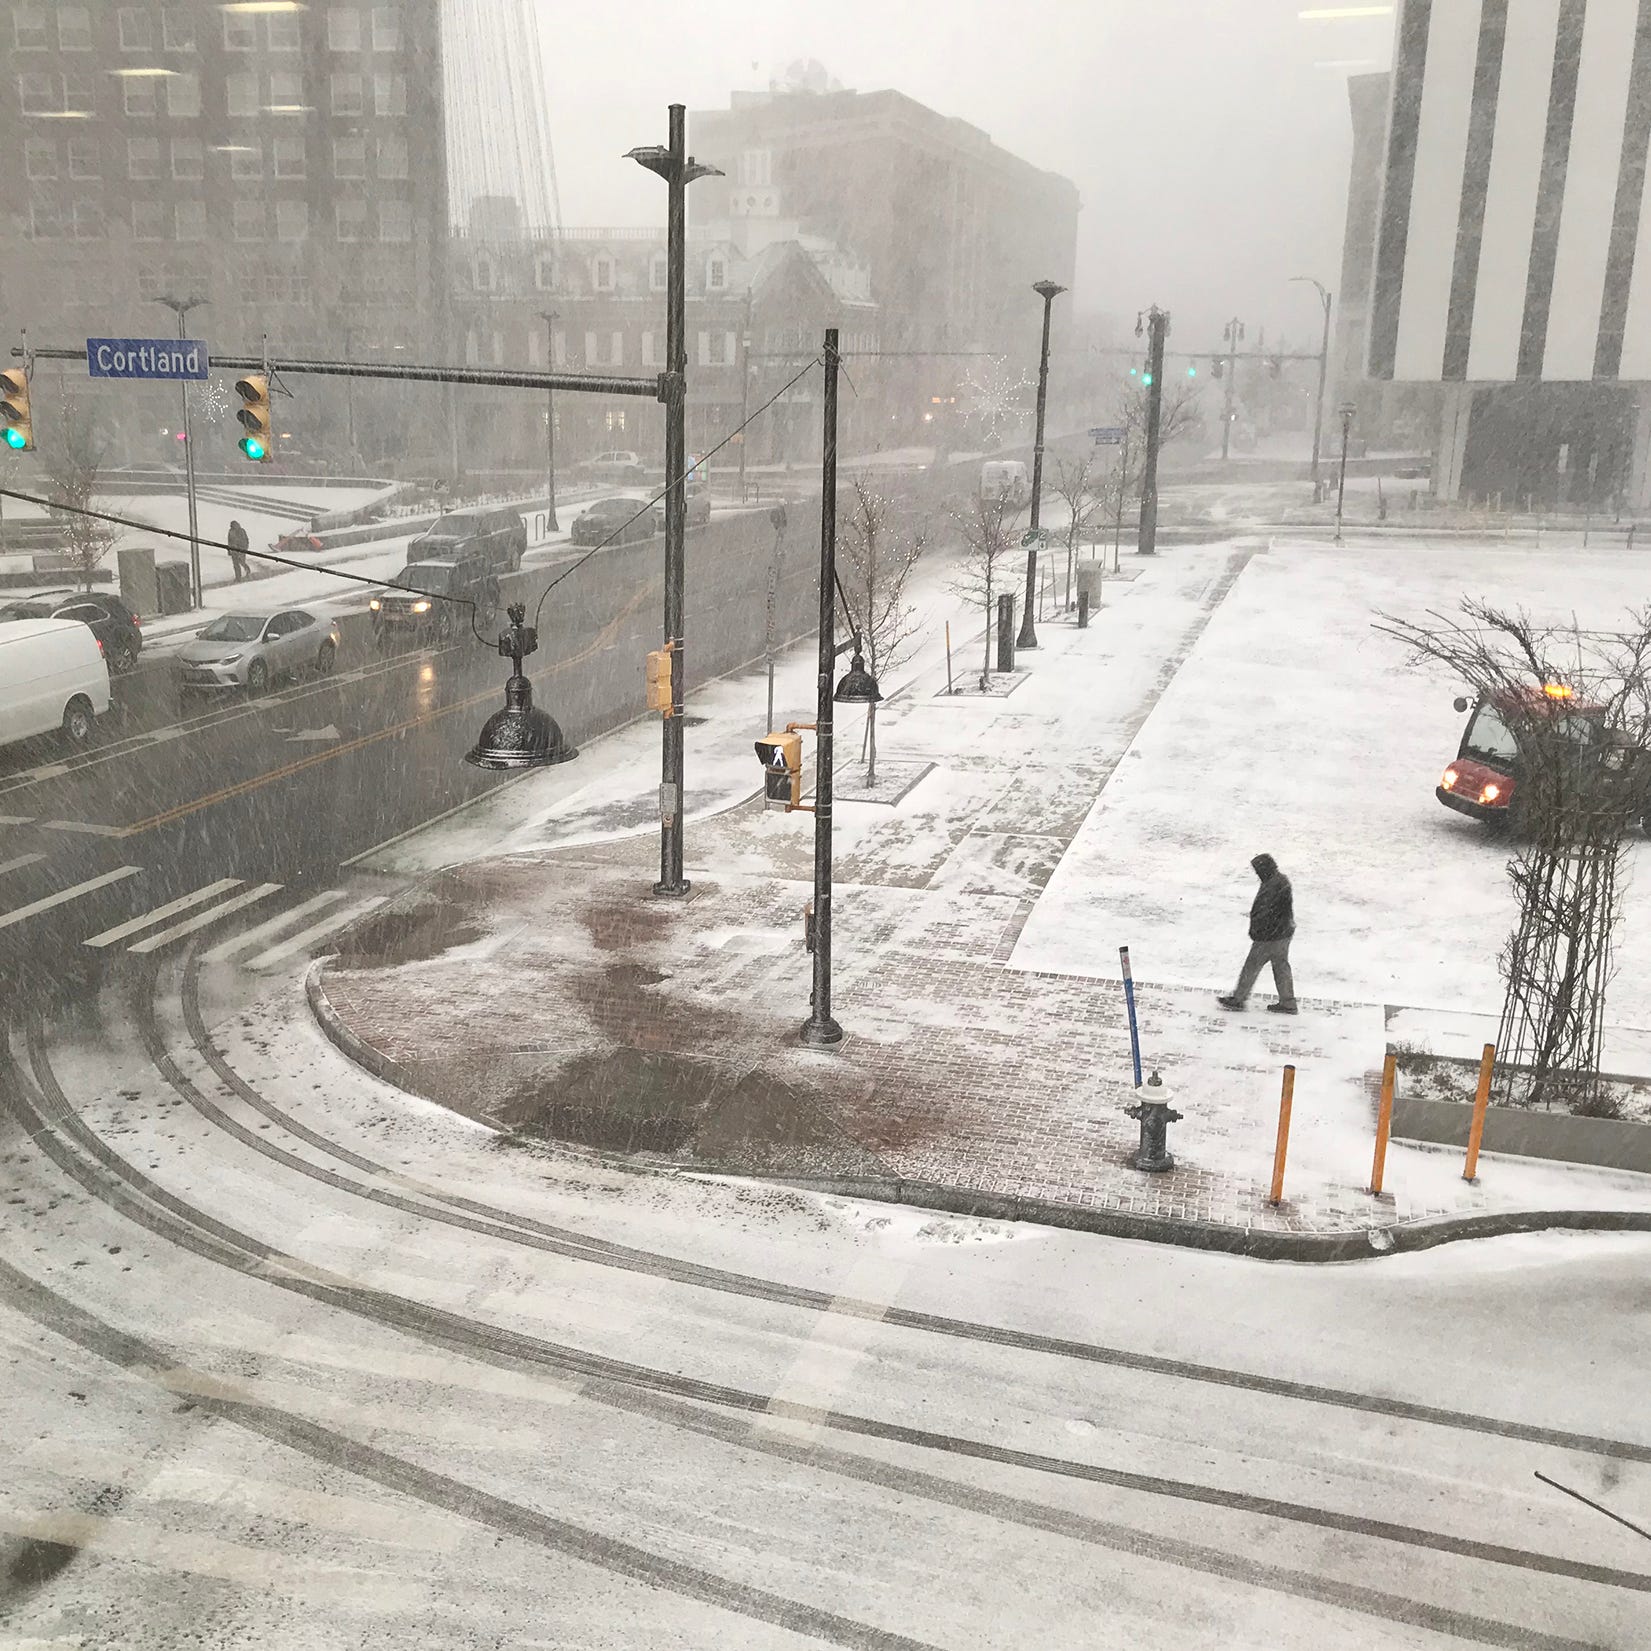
point(985, 526)
point(1575, 706)
point(74, 460)
point(1077, 485)
point(878, 555)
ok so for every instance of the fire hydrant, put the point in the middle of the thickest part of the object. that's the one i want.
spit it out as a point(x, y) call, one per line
point(1156, 1114)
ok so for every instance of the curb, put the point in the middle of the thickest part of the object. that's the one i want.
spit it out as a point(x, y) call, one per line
point(1258, 1244)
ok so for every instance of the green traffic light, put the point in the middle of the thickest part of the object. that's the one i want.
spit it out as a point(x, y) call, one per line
point(252, 447)
point(16, 440)
point(1192, 372)
point(1146, 378)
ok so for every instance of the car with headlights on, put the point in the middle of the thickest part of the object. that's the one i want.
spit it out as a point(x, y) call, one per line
point(618, 521)
point(251, 650)
point(435, 601)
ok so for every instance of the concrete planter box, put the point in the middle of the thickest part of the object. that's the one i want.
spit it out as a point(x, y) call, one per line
point(1609, 1143)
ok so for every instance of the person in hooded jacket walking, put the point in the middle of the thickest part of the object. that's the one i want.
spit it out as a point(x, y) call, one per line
point(1272, 923)
point(238, 544)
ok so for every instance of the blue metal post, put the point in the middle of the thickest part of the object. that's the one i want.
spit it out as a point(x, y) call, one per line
point(1134, 1030)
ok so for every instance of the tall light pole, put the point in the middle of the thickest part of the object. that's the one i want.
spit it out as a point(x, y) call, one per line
point(1347, 411)
point(1028, 638)
point(550, 318)
point(1157, 330)
point(1233, 333)
point(745, 389)
point(181, 307)
point(1324, 363)
point(678, 168)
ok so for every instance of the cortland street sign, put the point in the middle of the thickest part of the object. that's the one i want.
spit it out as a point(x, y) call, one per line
point(174, 358)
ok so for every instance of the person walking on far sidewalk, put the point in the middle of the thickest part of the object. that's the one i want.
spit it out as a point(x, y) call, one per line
point(237, 541)
point(1272, 923)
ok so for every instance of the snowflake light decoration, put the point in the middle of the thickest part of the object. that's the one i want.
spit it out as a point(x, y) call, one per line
point(209, 400)
point(997, 398)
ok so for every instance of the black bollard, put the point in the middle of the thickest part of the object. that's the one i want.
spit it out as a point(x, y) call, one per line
point(1006, 633)
point(1083, 610)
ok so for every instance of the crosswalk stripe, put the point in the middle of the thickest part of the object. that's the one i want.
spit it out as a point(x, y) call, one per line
point(201, 919)
point(159, 915)
point(298, 941)
point(251, 937)
point(90, 886)
point(15, 819)
point(21, 861)
point(86, 828)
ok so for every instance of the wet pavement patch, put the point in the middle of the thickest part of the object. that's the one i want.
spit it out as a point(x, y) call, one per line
point(30, 1563)
point(414, 932)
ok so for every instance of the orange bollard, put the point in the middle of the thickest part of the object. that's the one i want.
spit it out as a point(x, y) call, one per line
point(1284, 1100)
point(1384, 1122)
point(1481, 1099)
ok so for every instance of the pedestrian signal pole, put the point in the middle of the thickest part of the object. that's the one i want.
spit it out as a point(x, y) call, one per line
point(1157, 327)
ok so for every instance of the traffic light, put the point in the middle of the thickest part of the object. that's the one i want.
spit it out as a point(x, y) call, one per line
point(659, 680)
point(781, 756)
point(1217, 367)
point(16, 422)
point(255, 417)
point(1146, 378)
point(1275, 365)
point(1192, 371)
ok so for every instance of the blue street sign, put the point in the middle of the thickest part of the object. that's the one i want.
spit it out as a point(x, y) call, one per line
point(1108, 435)
point(147, 358)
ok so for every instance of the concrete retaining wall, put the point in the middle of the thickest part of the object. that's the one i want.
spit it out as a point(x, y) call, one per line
point(1607, 1142)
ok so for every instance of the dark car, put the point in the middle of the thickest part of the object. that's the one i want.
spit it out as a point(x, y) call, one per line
point(498, 536)
point(612, 519)
point(115, 626)
point(427, 600)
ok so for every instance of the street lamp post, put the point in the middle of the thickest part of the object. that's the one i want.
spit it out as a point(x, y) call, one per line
point(1028, 638)
point(678, 168)
point(1146, 542)
point(1233, 333)
point(550, 318)
point(1324, 365)
point(1347, 411)
point(181, 307)
point(745, 387)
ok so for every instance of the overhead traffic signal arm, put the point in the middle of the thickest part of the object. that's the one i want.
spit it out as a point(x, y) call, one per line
point(16, 420)
point(256, 417)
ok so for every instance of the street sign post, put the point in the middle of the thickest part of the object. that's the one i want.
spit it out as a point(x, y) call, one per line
point(152, 358)
point(1108, 435)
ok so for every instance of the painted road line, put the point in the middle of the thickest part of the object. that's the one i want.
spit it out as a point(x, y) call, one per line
point(15, 819)
point(298, 941)
point(90, 886)
point(85, 828)
point(251, 937)
point(19, 863)
point(200, 921)
point(159, 915)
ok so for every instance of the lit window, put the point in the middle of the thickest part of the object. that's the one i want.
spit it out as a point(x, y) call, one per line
point(389, 94)
point(292, 220)
point(29, 28)
point(395, 221)
point(289, 158)
point(191, 220)
point(143, 157)
point(183, 96)
point(283, 31)
point(350, 220)
point(614, 421)
point(137, 30)
point(392, 158)
point(39, 159)
point(246, 162)
point(249, 220)
point(74, 29)
point(85, 163)
point(242, 91)
point(349, 157)
point(348, 95)
point(344, 29)
point(386, 29)
point(240, 32)
point(138, 97)
point(188, 160)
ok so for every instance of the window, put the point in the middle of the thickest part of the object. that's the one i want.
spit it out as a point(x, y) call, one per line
point(246, 162)
point(283, 31)
point(349, 157)
point(498, 349)
point(292, 220)
point(395, 221)
point(85, 163)
point(240, 32)
point(350, 220)
point(88, 221)
point(716, 349)
point(559, 347)
point(289, 158)
point(183, 96)
point(188, 160)
point(716, 275)
point(1490, 738)
point(286, 91)
point(74, 29)
point(651, 354)
point(481, 273)
point(613, 421)
point(657, 272)
point(242, 94)
point(615, 346)
point(148, 220)
point(344, 29)
point(392, 158)
point(138, 97)
point(190, 219)
point(472, 350)
point(389, 94)
point(143, 157)
point(45, 220)
point(178, 29)
point(601, 273)
point(249, 220)
point(535, 348)
point(349, 96)
point(386, 29)
point(40, 94)
point(39, 159)
point(79, 92)
point(29, 28)
point(137, 30)
point(756, 168)
point(544, 274)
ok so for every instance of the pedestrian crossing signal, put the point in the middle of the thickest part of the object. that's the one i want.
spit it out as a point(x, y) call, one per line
point(659, 681)
point(781, 756)
point(255, 417)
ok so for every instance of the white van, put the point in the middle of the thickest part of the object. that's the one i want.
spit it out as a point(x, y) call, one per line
point(1005, 479)
point(52, 679)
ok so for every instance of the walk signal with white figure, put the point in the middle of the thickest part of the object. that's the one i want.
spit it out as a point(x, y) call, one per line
point(781, 756)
